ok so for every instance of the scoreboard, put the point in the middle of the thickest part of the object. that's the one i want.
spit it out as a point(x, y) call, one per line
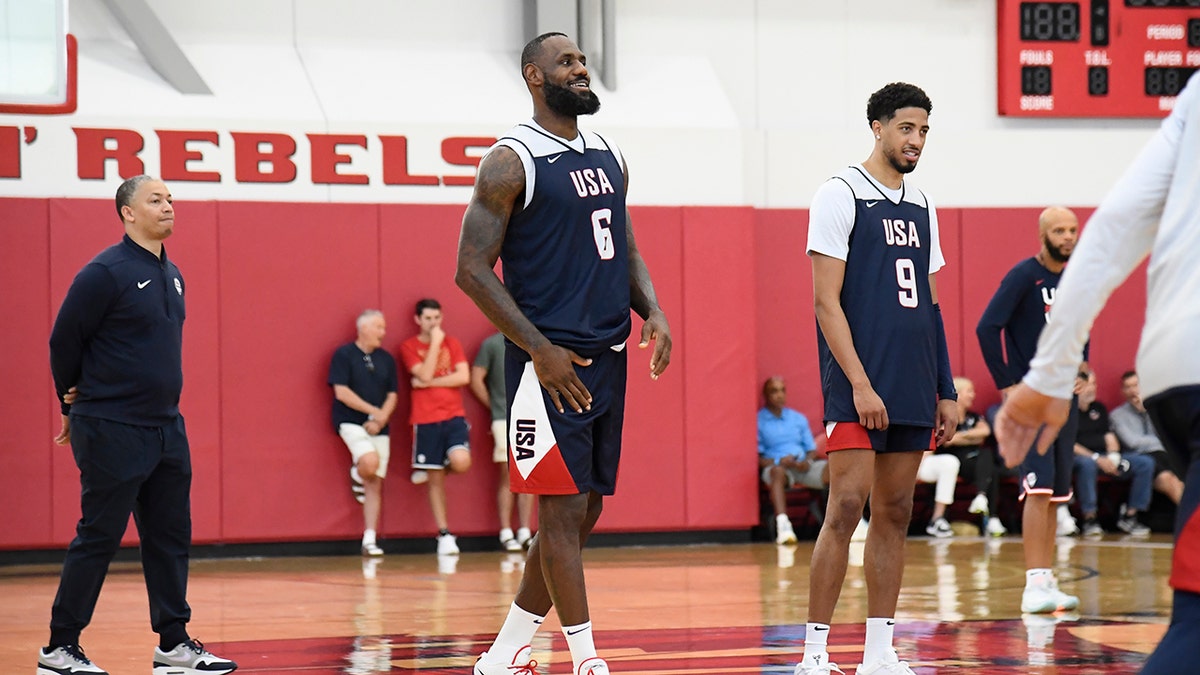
point(1095, 58)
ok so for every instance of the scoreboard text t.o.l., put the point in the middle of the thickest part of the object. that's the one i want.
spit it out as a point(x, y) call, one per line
point(1095, 58)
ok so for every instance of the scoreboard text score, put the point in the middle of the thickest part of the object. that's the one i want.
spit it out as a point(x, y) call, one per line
point(1095, 58)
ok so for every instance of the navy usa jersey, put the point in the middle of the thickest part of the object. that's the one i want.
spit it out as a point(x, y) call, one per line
point(565, 255)
point(889, 241)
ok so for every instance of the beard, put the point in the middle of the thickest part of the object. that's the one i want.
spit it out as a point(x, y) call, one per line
point(899, 162)
point(570, 103)
point(1055, 252)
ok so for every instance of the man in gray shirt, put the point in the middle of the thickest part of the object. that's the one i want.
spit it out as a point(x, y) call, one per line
point(1132, 425)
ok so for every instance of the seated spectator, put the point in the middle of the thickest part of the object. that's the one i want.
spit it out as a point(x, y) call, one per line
point(942, 471)
point(1132, 425)
point(977, 461)
point(1097, 449)
point(785, 454)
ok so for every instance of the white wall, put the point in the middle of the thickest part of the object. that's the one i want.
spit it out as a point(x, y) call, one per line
point(752, 102)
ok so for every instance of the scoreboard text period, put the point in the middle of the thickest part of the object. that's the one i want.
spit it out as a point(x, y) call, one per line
point(1095, 58)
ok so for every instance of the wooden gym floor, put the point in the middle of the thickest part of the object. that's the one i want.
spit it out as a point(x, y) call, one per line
point(699, 609)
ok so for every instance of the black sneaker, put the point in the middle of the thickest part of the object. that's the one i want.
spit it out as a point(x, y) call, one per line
point(66, 659)
point(1091, 527)
point(190, 658)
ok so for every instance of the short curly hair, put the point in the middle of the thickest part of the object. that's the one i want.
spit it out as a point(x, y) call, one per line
point(884, 103)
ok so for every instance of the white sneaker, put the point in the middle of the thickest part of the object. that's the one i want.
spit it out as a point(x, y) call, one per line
point(419, 476)
point(593, 666)
point(891, 665)
point(521, 664)
point(1066, 523)
point(371, 550)
point(826, 668)
point(979, 504)
point(939, 528)
point(447, 544)
point(64, 660)
point(784, 534)
point(996, 528)
point(1046, 598)
point(508, 541)
point(524, 537)
point(860, 531)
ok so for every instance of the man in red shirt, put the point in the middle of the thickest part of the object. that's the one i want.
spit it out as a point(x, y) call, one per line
point(439, 370)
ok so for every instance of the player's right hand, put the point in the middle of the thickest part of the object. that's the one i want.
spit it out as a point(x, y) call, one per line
point(1028, 416)
point(555, 370)
point(64, 434)
point(872, 414)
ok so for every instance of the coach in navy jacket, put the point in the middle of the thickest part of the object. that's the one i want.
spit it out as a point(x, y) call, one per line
point(116, 357)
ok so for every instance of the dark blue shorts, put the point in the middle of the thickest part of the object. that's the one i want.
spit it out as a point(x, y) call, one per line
point(567, 453)
point(433, 442)
point(895, 438)
point(1050, 474)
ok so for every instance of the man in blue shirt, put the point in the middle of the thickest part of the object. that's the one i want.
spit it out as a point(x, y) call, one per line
point(784, 444)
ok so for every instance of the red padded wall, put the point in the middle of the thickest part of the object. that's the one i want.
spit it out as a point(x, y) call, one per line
point(292, 279)
point(273, 289)
point(30, 420)
point(720, 362)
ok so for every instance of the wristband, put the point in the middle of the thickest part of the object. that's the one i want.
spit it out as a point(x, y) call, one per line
point(1095, 457)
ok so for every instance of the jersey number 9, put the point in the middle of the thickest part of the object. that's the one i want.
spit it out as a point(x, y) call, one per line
point(906, 278)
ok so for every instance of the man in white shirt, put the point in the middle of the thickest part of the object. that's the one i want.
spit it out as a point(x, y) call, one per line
point(1154, 209)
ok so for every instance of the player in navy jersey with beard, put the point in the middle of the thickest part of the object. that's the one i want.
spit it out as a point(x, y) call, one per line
point(885, 367)
point(1018, 312)
point(549, 202)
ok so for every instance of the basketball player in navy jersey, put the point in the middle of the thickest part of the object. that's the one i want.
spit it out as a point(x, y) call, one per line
point(549, 202)
point(1008, 332)
point(885, 367)
point(1154, 209)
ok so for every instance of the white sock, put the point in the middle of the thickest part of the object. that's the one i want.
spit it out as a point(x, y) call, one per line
point(506, 534)
point(1038, 577)
point(368, 537)
point(516, 633)
point(878, 646)
point(579, 641)
point(816, 639)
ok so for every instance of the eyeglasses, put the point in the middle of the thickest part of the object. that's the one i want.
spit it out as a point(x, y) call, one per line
point(370, 364)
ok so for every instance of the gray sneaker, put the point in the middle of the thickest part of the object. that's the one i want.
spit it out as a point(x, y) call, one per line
point(64, 660)
point(1131, 525)
point(190, 658)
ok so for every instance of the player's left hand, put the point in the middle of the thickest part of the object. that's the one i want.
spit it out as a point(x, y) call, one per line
point(946, 420)
point(655, 328)
point(1026, 417)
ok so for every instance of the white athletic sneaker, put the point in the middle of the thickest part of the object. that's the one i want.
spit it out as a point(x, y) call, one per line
point(860, 531)
point(996, 528)
point(1066, 523)
point(784, 534)
point(524, 537)
point(979, 504)
point(190, 658)
point(508, 541)
point(419, 476)
point(356, 485)
point(372, 550)
point(890, 665)
point(447, 544)
point(1046, 598)
point(593, 666)
point(826, 668)
point(521, 664)
point(939, 528)
point(66, 660)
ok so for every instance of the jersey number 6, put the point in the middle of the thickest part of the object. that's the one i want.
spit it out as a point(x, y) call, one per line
point(601, 219)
